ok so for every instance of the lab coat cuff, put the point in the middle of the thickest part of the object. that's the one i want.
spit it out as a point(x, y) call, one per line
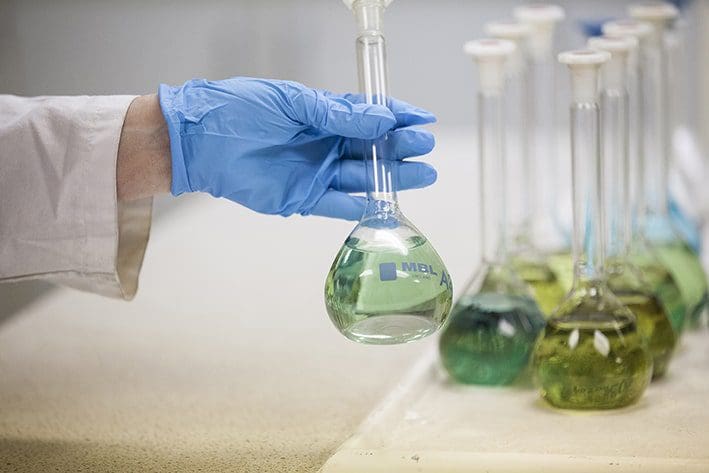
point(121, 229)
point(91, 242)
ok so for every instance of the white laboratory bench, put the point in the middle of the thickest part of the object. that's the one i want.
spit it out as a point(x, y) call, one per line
point(226, 360)
point(429, 424)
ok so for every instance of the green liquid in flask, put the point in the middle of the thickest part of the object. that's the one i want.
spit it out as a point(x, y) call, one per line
point(547, 289)
point(653, 320)
point(489, 338)
point(592, 360)
point(665, 288)
point(659, 307)
point(562, 265)
point(392, 292)
point(687, 270)
point(591, 354)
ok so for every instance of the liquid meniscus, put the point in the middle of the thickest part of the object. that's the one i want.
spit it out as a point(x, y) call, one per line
point(489, 338)
point(392, 292)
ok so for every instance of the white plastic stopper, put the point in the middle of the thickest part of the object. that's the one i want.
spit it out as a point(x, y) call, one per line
point(634, 28)
point(516, 32)
point(542, 19)
point(491, 56)
point(653, 11)
point(658, 14)
point(350, 3)
point(619, 47)
point(584, 65)
point(639, 30)
point(507, 29)
point(369, 14)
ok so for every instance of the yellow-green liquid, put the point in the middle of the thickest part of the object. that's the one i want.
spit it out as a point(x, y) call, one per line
point(665, 288)
point(592, 359)
point(663, 285)
point(562, 264)
point(653, 324)
point(546, 288)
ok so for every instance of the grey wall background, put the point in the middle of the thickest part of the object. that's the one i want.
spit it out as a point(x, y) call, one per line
point(129, 47)
point(108, 47)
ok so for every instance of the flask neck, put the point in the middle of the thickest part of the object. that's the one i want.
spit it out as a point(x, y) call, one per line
point(615, 176)
point(491, 146)
point(373, 84)
point(542, 145)
point(656, 148)
point(588, 234)
point(519, 165)
point(637, 144)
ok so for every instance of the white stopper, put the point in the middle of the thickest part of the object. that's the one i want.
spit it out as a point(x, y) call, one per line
point(653, 11)
point(507, 29)
point(513, 31)
point(542, 19)
point(638, 30)
point(491, 56)
point(350, 3)
point(614, 71)
point(634, 28)
point(584, 65)
point(658, 14)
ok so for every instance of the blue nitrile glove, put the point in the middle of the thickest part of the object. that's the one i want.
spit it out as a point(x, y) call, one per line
point(279, 147)
point(593, 26)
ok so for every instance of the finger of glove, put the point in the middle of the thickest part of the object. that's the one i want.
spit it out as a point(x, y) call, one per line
point(401, 143)
point(335, 204)
point(405, 113)
point(340, 117)
point(410, 175)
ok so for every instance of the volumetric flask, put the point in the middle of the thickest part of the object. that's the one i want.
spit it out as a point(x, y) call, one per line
point(387, 284)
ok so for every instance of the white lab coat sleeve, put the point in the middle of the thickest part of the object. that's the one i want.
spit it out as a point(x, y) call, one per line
point(60, 218)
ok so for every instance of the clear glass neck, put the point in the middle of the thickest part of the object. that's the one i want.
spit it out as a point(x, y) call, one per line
point(519, 191)
point(371, 64)
point(657, 148)
point(491, 144)
point(543, 156)
point(636, 145)
point(588, 234)
point(614, 106)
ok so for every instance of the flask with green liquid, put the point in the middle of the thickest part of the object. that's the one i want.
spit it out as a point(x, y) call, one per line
point(543, 235)
point(493, 326)
point(591, 354)
point(623, 277)
point(387, 284)
point(659, 230)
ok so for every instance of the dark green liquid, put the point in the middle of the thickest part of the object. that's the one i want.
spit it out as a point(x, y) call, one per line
point(489, 338)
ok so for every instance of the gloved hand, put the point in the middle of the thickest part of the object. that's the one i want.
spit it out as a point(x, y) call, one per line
point(279, 147)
